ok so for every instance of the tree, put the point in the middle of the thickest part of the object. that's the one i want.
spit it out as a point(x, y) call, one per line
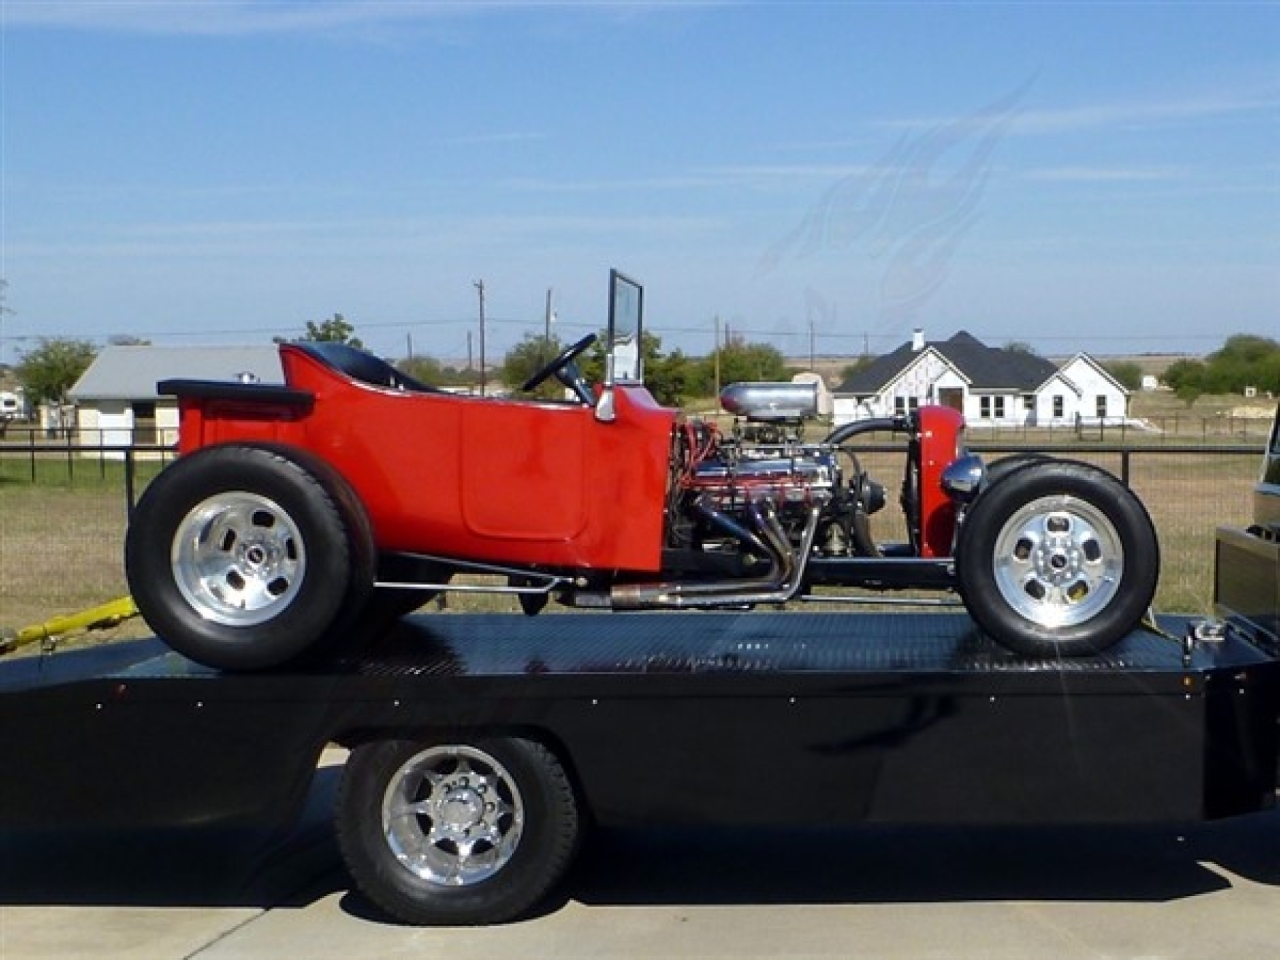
point(741, 361)
point(433, 373)
point(850, 370)
point(52, 368)
point(667, 376)
point(1244, 360)
point(428, 370)
point(1128, 373)
point(335, 330)
point(528, 357)
point(1186, 378)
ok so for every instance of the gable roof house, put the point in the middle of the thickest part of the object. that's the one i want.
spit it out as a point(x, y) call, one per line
point(116, 400)
point(990, 386)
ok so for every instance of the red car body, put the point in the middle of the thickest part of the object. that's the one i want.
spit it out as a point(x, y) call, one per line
point(500, 480)
point(482, 478)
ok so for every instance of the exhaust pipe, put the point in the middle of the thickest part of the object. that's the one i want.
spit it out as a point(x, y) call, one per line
point(781, 584)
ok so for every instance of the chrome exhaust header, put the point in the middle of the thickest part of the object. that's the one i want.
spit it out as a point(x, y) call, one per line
point(780, 584)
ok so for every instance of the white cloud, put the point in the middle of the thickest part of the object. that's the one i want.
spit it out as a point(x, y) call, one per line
point(220, 18)
point(234, 18)
point(1137, 114)
point(1105, 174)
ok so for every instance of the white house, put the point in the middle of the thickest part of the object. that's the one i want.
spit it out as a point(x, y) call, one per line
point(988, 385)
point(116, 399)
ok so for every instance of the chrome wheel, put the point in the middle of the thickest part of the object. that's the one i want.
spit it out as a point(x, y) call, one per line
point(1059, 561)
point(452, 816)
point(238, 558)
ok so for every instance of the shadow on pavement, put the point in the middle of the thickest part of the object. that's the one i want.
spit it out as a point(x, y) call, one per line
point(220, 867)
point(923, 864)
point(204, 866)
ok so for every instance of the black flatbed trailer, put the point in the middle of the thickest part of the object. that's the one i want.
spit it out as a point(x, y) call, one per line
point(483, 743)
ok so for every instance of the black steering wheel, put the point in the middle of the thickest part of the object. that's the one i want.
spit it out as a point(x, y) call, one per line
point(561, 368)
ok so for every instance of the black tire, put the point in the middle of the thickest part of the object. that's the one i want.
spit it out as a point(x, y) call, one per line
point(440, 833)
point(1057, 558)
point(370, 616)
point(242, 558)
point(997, 470)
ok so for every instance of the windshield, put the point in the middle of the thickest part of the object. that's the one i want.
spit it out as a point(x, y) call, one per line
point(626, 309)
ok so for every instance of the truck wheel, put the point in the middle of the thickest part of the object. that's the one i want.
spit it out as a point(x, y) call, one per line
point(241, 557)
point(456, 833)
point(1057, 559)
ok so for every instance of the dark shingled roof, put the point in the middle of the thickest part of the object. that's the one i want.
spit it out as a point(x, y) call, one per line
point(986, 368)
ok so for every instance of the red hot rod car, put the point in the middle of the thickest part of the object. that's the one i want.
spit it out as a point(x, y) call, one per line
point(294, 510)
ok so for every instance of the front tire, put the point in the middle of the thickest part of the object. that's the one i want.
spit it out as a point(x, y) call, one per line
point(1057, 559)
point(241, 558)
point(456, 833)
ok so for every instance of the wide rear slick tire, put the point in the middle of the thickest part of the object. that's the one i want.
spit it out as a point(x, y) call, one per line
point(450, 832)
point(1057, 558)
point(243, 557)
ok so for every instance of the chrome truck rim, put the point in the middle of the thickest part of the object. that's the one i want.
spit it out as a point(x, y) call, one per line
point(453, 816)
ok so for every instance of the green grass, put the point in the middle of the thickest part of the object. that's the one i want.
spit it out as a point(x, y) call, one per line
point(55, 470)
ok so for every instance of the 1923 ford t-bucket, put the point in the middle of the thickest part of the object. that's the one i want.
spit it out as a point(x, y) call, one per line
point(293, 511)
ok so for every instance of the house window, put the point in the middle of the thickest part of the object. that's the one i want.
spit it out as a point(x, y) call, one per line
point(902, 404)
point(1059, 408)
point(999, 408)
point(1101, 406)
point(984, 408)
point(1028, 402)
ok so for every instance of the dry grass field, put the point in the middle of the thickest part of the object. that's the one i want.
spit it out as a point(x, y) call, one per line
point(61, 539)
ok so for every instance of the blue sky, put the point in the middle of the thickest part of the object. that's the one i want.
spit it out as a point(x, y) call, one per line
point(1084, 176)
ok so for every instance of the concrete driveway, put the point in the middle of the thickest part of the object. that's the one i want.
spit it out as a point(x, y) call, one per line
point(879, 892)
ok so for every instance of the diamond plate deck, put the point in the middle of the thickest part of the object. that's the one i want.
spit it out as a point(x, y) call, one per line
point(716, 642)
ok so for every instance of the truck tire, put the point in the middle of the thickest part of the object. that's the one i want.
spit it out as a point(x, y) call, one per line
point(242, 557)
point(440, 833)
point(1057, 558)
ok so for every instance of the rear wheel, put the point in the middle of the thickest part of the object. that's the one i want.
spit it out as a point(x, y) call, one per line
point(456, 833)
point(1057, 559)
point(241, 557)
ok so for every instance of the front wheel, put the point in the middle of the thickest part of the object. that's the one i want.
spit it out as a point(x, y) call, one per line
point(1057, 559)
point(456, 832)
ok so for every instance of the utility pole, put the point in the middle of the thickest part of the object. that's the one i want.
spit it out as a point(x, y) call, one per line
point(811, 345)
point(4, 309)
point(547, 351)
point(480, 290)
point(716, 356)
